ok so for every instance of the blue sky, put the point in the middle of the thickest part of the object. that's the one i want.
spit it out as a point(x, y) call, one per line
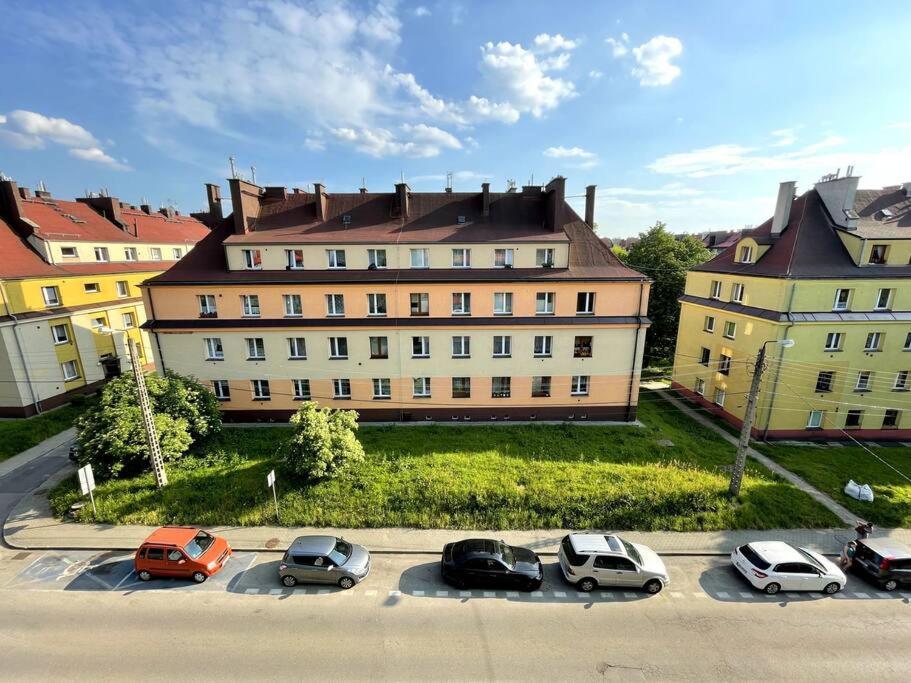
point(685, 112)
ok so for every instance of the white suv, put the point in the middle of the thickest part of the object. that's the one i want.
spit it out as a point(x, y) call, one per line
point(590, 560)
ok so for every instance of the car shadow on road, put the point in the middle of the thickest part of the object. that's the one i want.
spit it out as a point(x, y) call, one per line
point(262, 579)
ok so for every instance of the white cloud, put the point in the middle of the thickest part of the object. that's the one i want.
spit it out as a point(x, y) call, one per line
point(556, 63)
point(382, 24)
point(594, 74)
point(98, 155)
point(579, 157)
point(517, 74)
point(548, 43)
point(315, 144)
point(619, 47)
point(483, 108)
point(456, 177)
point(784, 137)
point(2, 119)
point(418, 141)
point(429, 105)
point(421, 11)
point(654, 60)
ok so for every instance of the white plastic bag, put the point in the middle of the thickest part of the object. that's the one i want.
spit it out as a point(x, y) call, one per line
point(855, 490)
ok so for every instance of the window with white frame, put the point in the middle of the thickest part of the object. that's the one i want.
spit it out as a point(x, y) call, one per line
point(503, 258)
point(123, 288)
point(874, 341)
point(543, 346)
point(221, 389)
point(746, 254)
point(891, 417)
point(155, 253)
point(582, 346)
point(130, 254)
point(60, 333)
point(502, 346)
point(261, 391)
point(863, 380)
point(129, 320)
point(833, 341)
point(51, 296)
point(700, 387)
point(101, 254)
point(901, 381)
point(250, 305)
point(70, 370)
point(253, 259)
point(420, 258)
point(842, 299)
point(297, 348)
point(341, 388)
point(544, 303)
point(301, 389)
point(883, 300)
point(335, 258)
point(68, 252)
point(730, 329)
point(461, 303)
point(379, 347)
point(335, 304)
point(293, 306)
point(382, 389)
point(420, 347)
point(420, 303)
point(544, 257)
point(540, 387)
point(724, 364)
point(294, 259)
point(814, 419)
point(461, 387)
point(461, 258)
point(461, 346)
point(719, 397)
point(716, 290)
point(500, 387)
point(709, 325)
point(737, 292)
point(579, 385)
point(176, 253)
point(91, 288)
point(206, 305)
point(585, 303)
point(376, 258)
point(878, 254)
point(502, 303)
point(704, 356)
point(214, 349)
point(338, 348)
point(376, 304)
point(421, 387)
point(256, 348)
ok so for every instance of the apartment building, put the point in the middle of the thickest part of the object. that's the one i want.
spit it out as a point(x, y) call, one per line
point(405, 306)
point(830, 271)
point(69, 289)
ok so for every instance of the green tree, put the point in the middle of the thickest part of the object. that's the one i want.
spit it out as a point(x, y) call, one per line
point(620, 252)
point(324, 442)
point(664, 259)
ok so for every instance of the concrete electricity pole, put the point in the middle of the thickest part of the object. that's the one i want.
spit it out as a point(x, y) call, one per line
point(161, 477)
point(744, 442)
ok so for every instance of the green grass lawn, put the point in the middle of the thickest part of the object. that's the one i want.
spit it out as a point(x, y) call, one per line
point(829, 469)
point(20, 434)
point(487, 477)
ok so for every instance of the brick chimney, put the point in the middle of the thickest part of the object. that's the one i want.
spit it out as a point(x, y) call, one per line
point(213, 197)
point(25, 193)
point(401, 199)
point(109, 207)
point(245, 202)
point(555, 199)
point(167, 211)
point(590, 206)
point(485, 198)
point(10, 202)
point(146, 208)
point(322, 201)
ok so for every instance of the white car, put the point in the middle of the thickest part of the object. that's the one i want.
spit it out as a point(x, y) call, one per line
point(591, 560)
point(772, 566)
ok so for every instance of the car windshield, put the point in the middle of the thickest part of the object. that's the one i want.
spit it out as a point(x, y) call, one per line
point(340, 553)
point(811, 559)
point(574, 558)
point(753, 557)
point(199, 544)
point(508, 557)
point(632, 552)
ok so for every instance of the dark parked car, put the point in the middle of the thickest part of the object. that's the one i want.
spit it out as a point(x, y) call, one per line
point(883, 562)
point(491, 564)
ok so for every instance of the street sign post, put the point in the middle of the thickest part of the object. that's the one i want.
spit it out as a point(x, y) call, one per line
point(270, 481)
point(87, 484)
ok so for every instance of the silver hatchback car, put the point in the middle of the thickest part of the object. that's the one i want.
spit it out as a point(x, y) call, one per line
point(324, 559)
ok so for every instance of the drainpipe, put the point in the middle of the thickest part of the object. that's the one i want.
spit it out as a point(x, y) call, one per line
point(28, 377)
point(632, 383)
point(768, 417)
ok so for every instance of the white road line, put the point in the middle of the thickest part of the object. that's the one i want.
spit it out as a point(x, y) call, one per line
point(883, 595)
point(252, 591)
point(839, 595)
point(512, 594)
point(722, 594)
point(464, 594)
point(394, 594)
point(490, 594)
point(860, 595)
point(906, 596)
point(442, 594)
point(537, 594)
point(580, 594)
point(323, 591)
point(559, 594)
point(792, 595)
point(746, 594)
point(629, 595)
point(418, 594)
point(120, 583)
point(605, 595)
point(275, 591)
point(370, 593)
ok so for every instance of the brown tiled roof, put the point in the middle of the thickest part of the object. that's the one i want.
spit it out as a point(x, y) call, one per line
point(159, 229)
point(872, 223)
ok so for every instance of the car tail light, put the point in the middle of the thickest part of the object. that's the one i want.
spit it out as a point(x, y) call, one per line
point(884, 565)
point(759, 575)
point(282, 566)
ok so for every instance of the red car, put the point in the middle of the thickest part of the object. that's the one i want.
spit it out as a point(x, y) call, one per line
point(181, 552)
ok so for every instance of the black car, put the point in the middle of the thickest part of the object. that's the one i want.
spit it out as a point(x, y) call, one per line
point(491, 564)
point(883, 562)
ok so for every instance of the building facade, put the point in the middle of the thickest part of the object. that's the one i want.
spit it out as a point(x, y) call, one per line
point(69, 290)
point(405, 306)
point(831, 272)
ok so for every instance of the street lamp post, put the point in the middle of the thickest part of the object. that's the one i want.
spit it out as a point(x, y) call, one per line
point(744, 442)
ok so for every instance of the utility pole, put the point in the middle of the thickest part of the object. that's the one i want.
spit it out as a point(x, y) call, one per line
point(161, 477)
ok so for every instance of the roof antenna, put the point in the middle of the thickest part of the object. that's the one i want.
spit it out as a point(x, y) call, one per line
point(42, 186)
point(402, 173)
point(449, 181)
point(231, 161)
point(253, 173)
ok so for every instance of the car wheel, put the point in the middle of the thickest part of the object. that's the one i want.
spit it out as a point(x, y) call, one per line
point(289, 581)
point(831, 588)
point(772, 588)
point(654, 586)
point(345, 582)
point(199, 577)
point(586, 585)
point(890, 585)
point(144, 575)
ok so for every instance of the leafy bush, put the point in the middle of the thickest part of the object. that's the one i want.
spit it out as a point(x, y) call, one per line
point(323, 443)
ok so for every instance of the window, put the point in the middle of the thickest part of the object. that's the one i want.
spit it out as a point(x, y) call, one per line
point(540, 387)
point(709, 325)
point(293, 306)
point(853, 418)
point(719, 397)
point(155, 253)
point(301, 389)
point(825, 380)
point(341, 388)
point(543, 346)
point(420, 258)
point(746, 254)
point(716, 289)
point(502, 303)
point(461, 258)
point(704, 356)
point(582, 347)
point(544, 303)
point(874, 339)
point(579, 385)
point(833, 341)
point(585, 303)
point(883, 300)
point(382, 389)
point(294, 259)
point(863, 381)
point(128, 320)
point(379, 347)
point(907, 346)
point(91, 288)
point(51, 296)
point(544, 257)
point(60, 333)
point(737, 293)
point(461, 347)
point(176, 253)
point(70, 370)
point(814, 420)
point(730, 329)
point(335, 304)
point(335, 258)
point(891, 417)
point(252, 259)
point(461, 303)
point(503, 258)
point(878, 254)
point(214, 349)
point(297, 348)
point(461, 387)
point(501, 387)
point(338, 348)
point(129, 254)
point(842, 297)
point(376, 304)
point(261, 389)
point(421, 387)
point(420, 304)
point(206, 305)
point(68, 252)
point(502, 346)
point(724, 364)
point(221, 389)
point(256, 348)
point(700, 387)
point(901, 381)
point(98, 323)
point(123, 288)
point(101, 254)
point(250, 305)
point(376, 258)
point(420, 347)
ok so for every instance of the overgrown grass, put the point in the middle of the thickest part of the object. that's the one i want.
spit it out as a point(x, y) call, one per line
point(20, 434)
point(829, 469)
point(487, 477)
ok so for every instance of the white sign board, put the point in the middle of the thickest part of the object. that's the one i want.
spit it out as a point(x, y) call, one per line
point(270, 478)
point(86, 480)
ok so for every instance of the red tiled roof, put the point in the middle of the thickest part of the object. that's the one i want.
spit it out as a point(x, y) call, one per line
point(157, 228)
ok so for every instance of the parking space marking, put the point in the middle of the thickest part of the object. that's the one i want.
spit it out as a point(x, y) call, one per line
point(629, 595)
point(464, 594)
point(252, 591)
point(559, 594)
point(883, 595)
point(395, 594)
point(746, 594)
point(537, 594)
point(792, 596)
point(861, 595)
point(418, 594)
point(442, 594)
point(323, 591)
point(580, 594)
point(490, 594)
point(839, 595)
point(276, 591)
point(723, 595)
point(906, 596)
point(512, 594)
